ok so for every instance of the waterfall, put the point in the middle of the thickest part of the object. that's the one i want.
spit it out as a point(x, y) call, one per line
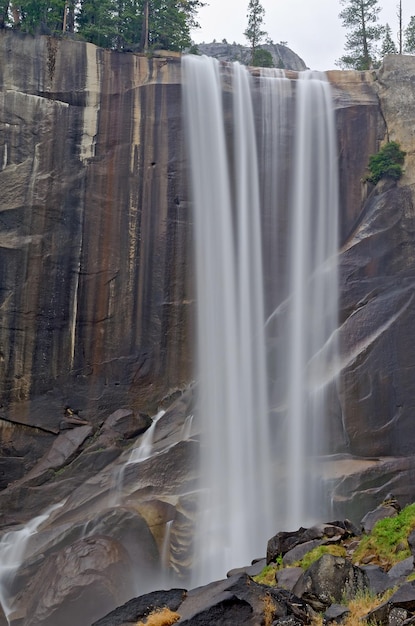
point(313, 284)
point(266, 286)
point(14, 546)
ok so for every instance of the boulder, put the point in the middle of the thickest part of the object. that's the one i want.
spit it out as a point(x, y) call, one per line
point(336, 613)
point(400, 571)
point(64, 449)
point(238, 600)
point(283, 542)
point(126, 423)
point(251, 570)
point(288, 577)
point(378, 579)
point(79, 584)
point(139, 608)
point(297, 553)
point(372, 517)
point(396, 609)
point(330, 579)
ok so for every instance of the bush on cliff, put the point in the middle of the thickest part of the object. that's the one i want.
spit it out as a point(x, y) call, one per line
point(387, 163)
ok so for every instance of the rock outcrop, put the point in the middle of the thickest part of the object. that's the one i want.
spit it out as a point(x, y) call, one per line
point(282, 56)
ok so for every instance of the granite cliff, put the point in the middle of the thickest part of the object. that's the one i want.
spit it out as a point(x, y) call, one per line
point(96, 300)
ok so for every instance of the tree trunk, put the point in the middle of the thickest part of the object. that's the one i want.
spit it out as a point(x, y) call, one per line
point(400, 36)
point(144, 28)
point(366, 57)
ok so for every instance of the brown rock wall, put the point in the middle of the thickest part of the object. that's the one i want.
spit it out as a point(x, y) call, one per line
point(94, 232)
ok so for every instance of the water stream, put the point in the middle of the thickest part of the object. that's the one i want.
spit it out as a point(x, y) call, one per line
point(266, 242)
point(14, 547)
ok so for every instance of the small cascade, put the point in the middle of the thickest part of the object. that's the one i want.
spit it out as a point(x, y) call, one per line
point(14, 546)
point(139, 453)
point(265, 196)
point(187, 428)
point(145, 449)
point(165, 550)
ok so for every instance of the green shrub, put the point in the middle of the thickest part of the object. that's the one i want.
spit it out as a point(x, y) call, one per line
point(387, 163)
point(388, 540)
point(267, 576)
point(318, 552)
point(262, 58)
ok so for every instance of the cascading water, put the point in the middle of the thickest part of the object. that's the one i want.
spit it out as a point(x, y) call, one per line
point(14, 546)
point(230, 322)
point(313, 282)
point(262, 356)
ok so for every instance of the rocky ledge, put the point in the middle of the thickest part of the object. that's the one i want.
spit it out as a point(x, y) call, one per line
point(330, 573)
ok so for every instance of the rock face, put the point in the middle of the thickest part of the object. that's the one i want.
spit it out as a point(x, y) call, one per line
point(377, 269)
point(282, 56)
point(94, 230)
point(96, 296)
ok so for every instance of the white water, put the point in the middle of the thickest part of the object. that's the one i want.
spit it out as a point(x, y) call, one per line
point(231, 347)
point(139, 453)
point(313, 282)
point(14, 546)
point(290, 226)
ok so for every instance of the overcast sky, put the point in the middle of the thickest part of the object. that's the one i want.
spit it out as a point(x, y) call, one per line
point(311, 28)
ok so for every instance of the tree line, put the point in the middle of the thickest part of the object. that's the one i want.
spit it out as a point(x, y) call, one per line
point(136, 25)
point(367, 41)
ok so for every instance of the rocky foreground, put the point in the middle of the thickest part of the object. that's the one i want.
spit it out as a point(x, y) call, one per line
point(330, 573)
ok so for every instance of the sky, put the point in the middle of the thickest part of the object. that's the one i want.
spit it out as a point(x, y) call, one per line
point(311, 28)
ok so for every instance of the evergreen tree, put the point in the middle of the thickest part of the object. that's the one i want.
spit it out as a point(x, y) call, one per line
point(39, 16)
point(128, 24)
point(360, 17)
point(170, 22)
point(410, 36)
point(96, 22)
point(388, 45)
point(254, 32)
point(262, 58)
point(4, 13)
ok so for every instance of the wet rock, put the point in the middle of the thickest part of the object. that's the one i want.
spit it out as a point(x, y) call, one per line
point(79, 584)
point(330, 578)
point(126, 423)
point(99, 331)
point(63, 450)
point(139, 608)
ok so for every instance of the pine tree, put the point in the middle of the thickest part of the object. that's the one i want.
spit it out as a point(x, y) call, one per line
point(39, 16)
point(254, 32)
point(4, 13)
point(388, 45)
point(410, 36)
point(96, 22)
point(360, 17)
